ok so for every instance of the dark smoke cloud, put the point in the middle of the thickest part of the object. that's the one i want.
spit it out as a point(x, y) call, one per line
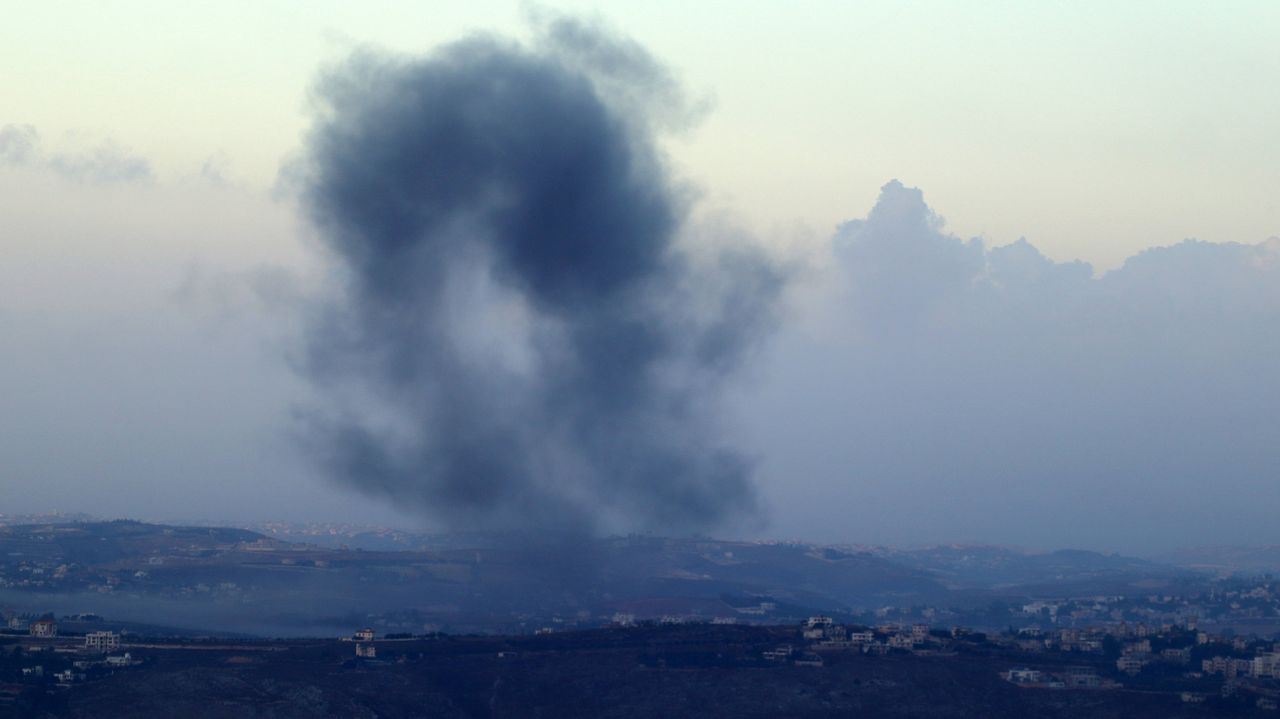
point(521, 337)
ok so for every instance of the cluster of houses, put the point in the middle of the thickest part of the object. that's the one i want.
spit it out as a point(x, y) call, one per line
point(1246, 665)
point(1138, 645)
point(823, 633)
point(103, 644)
point(1224, 601)
point(1264, 665)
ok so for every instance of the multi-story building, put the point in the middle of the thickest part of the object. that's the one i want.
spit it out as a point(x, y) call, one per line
point(101, 642)
point(1130, 663)
point(1265, 666)
point(901, 641)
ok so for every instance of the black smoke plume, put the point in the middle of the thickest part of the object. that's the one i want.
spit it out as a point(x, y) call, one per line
point(523, 337)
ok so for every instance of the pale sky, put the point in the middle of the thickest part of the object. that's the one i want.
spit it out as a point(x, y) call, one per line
point(1093, 128)
point(144, 373)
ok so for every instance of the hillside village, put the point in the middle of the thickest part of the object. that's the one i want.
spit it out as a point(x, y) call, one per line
point(1188, 666)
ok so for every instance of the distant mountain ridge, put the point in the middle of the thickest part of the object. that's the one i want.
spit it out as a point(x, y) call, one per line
point(993, 567)
point(236, 579)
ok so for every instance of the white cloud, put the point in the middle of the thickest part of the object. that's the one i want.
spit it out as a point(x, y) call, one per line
point(940, 389)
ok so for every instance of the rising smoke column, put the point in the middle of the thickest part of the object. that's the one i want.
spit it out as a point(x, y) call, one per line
point(519, 338)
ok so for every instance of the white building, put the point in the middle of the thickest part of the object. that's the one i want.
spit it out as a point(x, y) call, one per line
point(1130, 663)
point(780, 653)
point(1142, 647)
point(1023, 676)
point(1265, 666)
point(121, 661)
point(901, 641)
point(102, 642)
